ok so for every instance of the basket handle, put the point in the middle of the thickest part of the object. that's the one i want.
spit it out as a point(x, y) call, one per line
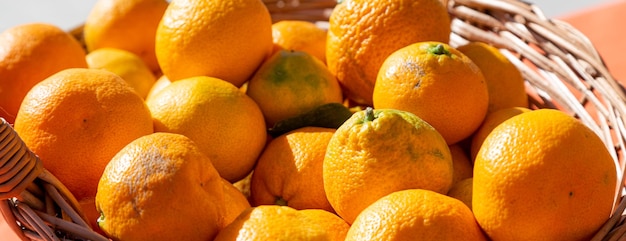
point(19, 166)
point(34, 197)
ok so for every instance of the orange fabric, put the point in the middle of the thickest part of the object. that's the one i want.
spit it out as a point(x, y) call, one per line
point(6, 232)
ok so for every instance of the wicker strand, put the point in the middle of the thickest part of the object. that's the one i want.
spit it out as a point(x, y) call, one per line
point(39, 227)
point(612, 222)
point(307, 10)
point(36, 212)
point(65, 206)
point(563, 71)
point(73, 228)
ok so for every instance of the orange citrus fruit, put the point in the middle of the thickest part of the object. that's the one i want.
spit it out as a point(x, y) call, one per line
point(437, 83)
point(29, 53)
point(289, 171)
point(235, 203)
point(300, 35)
point(125, 24)
point(542, 169)
point(157, 86)
point(505, 83)
point(462, 190)
point(76, 120)
point(461, 163)
point(225, 39)
point(377, 152)
point(88, 207)
point(139, 194)
point(226, 124)
point(492, 120)
point(244, 186)
point(415, 214)
point(362, 33)
point(125, 64)
point(336, 227)
point(291, 83)
point(273, 222)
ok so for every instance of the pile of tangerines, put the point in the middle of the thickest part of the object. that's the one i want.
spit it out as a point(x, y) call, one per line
point(206, 120)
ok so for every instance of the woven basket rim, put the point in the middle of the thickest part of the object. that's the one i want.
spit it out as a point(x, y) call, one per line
point(562, 69)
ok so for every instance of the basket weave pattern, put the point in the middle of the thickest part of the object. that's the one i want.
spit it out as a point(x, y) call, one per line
point(34, 203)
point(562, 68)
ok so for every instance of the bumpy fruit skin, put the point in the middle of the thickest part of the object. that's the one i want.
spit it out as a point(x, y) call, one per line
point(543, 170)
point(30, 53)
point(235, 202)
point(125, 64)
point(291, 83)
point(362, 33)
point(273, 222)
point(336, 227)
point(140, 191)
point(415, 214)
point(492, 120)
point(377, 152)
point(78, 119)
point(437, 83)
point(300, 35)
point(125, 24)
point(463, 166)
point(226, 124)
point(222, 39)
point(505, 82)
point(462, 190)
point(290, 170)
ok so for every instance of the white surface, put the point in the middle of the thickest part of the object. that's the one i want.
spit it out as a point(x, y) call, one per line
point(555, 8)
point(68, 14)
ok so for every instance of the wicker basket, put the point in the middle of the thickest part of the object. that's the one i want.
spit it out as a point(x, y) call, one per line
point(561, 66)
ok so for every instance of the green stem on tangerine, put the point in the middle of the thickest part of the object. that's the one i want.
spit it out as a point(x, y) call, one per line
point(280, 201)
point(439, 49)
point(100, 219)
point(369, 114)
